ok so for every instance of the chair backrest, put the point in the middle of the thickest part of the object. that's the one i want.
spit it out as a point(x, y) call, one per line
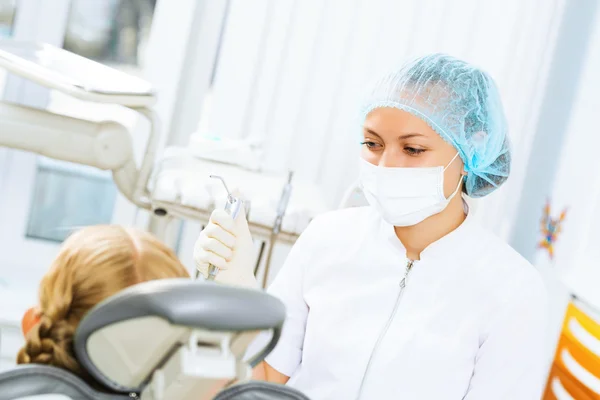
point(255, 390)
point(171, 339)
point(112, 341)
point(576, 368)
point(34, 380)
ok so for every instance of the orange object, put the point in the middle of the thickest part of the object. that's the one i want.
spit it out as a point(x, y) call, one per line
point(582, 355)
point(587, 322)
point(30, 319)
point(573, 358)
point(570, 384)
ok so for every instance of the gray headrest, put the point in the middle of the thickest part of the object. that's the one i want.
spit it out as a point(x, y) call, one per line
point(260, 391)
point(32, 379)
point(182, 302)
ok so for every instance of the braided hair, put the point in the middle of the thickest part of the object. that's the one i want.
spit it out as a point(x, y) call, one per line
point(92, 265)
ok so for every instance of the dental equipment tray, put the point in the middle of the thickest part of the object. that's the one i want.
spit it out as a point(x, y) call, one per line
point(74, 75)
point(182, 187)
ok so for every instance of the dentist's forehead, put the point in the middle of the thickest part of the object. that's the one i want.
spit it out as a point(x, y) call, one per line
point(388, 121)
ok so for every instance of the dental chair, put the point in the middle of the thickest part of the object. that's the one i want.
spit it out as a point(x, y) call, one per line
point(171, 339)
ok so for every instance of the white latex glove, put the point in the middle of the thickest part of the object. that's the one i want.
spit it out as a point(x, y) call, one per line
point(227, 244)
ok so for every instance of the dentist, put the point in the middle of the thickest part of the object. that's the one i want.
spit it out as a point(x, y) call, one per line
point(408, 298)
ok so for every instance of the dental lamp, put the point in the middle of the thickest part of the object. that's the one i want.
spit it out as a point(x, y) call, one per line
point(105, 145)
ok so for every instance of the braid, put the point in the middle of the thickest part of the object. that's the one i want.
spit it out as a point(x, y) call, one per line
point(50, 343)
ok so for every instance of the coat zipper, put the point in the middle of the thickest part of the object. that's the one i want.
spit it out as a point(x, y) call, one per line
point(382, 334)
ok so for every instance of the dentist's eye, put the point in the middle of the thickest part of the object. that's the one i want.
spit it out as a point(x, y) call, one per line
point(371, 145)
point(411, 151)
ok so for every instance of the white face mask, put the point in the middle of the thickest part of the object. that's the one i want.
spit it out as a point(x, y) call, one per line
point(405, 196)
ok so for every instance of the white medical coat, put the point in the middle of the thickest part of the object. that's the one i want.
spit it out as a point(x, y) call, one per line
point(470, 323)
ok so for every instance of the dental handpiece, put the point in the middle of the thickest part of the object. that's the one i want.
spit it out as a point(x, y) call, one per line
point(232, 207)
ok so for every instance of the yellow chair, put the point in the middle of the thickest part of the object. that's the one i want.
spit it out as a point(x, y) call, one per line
point(575, 373)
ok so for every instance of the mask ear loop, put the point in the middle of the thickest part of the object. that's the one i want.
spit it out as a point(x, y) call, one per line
point(451, 161)
point(459, 181)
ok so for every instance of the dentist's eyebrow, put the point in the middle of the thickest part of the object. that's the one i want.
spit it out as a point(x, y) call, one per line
point(372, 132)
point(411, 135)
point(404, 136)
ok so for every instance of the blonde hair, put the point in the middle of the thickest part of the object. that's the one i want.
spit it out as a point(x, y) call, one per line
point(93, 264)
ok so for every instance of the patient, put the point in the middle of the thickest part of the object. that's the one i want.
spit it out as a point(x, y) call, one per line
point(93, 264)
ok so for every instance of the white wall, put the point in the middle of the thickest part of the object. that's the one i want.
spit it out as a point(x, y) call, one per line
point(577, 183)
point(576, 268)
point(551, 129)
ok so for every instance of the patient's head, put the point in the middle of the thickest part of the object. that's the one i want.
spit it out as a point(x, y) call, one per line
point(93, 264)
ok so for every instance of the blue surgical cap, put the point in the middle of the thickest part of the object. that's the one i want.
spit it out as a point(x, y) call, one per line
point(462, 104)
